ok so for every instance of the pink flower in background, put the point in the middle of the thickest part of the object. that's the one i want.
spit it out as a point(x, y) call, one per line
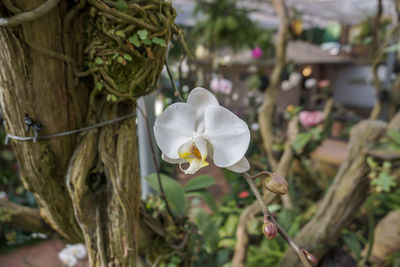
point(324, 83)
point(244, 194)
point(257, 52)
point(221, 85)
point(311, 118)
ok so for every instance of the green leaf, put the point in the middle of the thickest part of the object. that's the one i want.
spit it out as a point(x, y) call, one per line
point(394, 135)
point(142, 34)
point(147, 42)
point(301, 141)
point(121, 5)
point(99, 86)
point(206, 196)
point(98, 61)
point(231, 23)
point(120, 33)
point(134, 40)
point(384, 182)
point(159, 41)
point(173, 192)
point(371, 163)
point(120, 60)
point(353, 244)
point(111, 97)
point(175, 259)
point(208, 229)
point(316, 133)
point(115, 56)
point(128, 57)
point(199, 182)
point(230, 225)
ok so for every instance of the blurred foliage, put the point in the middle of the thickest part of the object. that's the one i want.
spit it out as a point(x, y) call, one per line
point(223, 24)
point(362, 33)
point(12, 190)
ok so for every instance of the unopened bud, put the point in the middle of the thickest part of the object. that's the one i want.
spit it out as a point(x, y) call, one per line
point(276, 183)
point(269, 229)
point(310, 257)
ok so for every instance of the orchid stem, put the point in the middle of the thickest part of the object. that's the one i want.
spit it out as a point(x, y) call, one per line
point(171, 78)
point(154, 159)
point(266, 211)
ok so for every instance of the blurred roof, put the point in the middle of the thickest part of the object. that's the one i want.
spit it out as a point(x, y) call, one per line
point(299, 52)
point(314, 12)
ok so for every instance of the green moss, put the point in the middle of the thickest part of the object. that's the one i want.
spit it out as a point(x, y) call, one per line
point(127, 59)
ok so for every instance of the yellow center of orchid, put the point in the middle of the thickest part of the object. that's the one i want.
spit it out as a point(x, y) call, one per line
point(195, 152)
point(196, 160)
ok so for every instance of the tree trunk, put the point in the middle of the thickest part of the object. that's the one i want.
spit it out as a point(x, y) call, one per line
point(34, 84)
point(23, 217)
point(344, 198)
point(265, 115)
point(87, 186)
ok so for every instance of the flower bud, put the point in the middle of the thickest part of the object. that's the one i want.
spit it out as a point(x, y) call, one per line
point(269, 229)
point(310, 257)
point(276, 184)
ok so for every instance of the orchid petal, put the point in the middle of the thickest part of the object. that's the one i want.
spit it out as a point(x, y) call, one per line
point(172, 161)
point(174, 127)
point(201, 145)
point(186, 149)
point(228, 135)
point(200, 99)
point(241, 166)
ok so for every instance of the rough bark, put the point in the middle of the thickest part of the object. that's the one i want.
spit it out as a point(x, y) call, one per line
point(34, 84)
point(344, 198)
point(386, 239)
point(110, 191)
point(86, 186)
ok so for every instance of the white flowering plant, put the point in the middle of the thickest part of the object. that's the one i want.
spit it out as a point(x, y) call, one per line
point(71, 254)
point(201, 131)
point(198, 132)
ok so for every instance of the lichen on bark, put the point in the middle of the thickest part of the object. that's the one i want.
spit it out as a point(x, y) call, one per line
point(87, 186)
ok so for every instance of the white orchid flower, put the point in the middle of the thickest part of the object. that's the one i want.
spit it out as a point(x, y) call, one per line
point(67, 259)
point(201, 130)
point(77, 250)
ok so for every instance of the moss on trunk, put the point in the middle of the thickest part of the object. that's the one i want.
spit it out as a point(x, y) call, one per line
point(87, 186)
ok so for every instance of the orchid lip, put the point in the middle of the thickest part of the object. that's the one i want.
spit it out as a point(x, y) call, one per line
point(191, 154)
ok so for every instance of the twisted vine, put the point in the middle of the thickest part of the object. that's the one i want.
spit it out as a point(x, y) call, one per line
point(127, 47)
point(122, 65)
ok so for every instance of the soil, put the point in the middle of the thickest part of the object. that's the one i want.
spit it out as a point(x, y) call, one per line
point(43, 254)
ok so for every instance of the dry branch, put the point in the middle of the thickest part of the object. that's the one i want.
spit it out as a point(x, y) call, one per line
point(29, 15)
point(269, 217)
point(376, 111)
point(344, 198)
point(242, 239)
point(26, 218)
point(265, 115)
